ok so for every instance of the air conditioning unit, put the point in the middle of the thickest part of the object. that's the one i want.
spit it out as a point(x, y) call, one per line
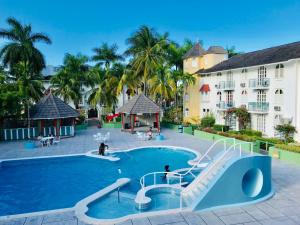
point(277, 108)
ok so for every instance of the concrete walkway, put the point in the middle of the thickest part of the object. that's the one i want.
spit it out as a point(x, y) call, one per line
point(283, 208)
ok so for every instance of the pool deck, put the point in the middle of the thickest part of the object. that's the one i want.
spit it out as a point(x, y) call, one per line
point(283, 208)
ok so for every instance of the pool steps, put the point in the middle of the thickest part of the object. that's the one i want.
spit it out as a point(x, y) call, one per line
point(82, 206)
point(143, 202)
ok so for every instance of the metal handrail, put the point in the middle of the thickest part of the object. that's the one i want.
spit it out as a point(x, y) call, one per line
point(142, 180)
point(208, 151)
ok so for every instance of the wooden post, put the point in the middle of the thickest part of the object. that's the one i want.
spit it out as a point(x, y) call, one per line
point(54, 126)
point(59, 127)
point(157, 123)
point(132, 123)
point(122, 116)
point(42, 127)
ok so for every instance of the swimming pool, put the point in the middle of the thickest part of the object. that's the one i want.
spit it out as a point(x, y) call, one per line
point(33, 185)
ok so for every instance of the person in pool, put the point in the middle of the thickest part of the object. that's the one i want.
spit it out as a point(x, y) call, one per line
point(167, 169)
point(102, 148)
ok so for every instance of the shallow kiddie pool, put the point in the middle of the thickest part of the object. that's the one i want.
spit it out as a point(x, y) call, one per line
point(33, 185)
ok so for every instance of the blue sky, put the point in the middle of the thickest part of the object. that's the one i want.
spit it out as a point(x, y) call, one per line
point(78, 26)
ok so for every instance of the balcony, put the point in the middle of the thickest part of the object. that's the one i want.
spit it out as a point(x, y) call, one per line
point(258, 107)
point(226, 85)
point(225, 105)
point(263, 83)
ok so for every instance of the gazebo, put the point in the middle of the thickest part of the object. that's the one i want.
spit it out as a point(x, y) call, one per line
point(54, 116)
point(140, 112)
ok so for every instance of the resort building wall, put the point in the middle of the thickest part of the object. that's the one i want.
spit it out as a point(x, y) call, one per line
point(270, 92)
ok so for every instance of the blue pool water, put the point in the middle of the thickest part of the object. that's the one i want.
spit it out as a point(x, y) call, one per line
point(53, 183)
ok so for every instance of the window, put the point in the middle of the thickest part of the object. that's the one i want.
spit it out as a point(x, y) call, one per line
point(279, 71)
point(278, 92)
point(244, 71)
point(219, 74)
point(261, 123)
point(219, 93)
point(204, 110)
point(229, 76)
point(244, 92)
point(262, 74)
point(278, 97)
point(186, 97)
point(229, 97)
point(186, 112)
point(261, 96)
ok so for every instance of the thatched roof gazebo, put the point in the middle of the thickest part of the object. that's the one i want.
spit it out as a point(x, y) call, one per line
point(142, 111)
point(55, 113)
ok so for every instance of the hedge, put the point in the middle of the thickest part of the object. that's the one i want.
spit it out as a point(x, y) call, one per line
point(290, 148)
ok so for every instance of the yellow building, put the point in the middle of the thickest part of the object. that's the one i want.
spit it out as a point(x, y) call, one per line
point(194, 60)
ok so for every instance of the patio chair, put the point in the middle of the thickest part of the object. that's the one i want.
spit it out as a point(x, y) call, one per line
point(56, 140)
point(141, 136)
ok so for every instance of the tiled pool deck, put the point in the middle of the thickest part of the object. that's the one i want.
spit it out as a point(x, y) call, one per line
point(283, 208)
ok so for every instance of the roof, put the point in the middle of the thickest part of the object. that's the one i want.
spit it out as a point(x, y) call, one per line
point(195, 51)
point(52, 107)
point(276, 54)
point(205, 88)
point(139, 104)
point(216, 50)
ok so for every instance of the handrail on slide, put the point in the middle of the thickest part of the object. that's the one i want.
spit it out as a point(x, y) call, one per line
point(205, 172)
point(181, 175)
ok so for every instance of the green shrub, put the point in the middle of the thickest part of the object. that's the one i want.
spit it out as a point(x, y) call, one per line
point(173, 115)
point(290, 148)
point(270, 140)
point(251, 132)
point(209, 130)
point(237, 136)
point(208, 121)
point(220, 127)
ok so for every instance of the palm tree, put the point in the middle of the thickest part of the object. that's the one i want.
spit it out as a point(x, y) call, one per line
point(104, 92)
point(24, 59)
point(175, 53)
point(147, 49)
point(21, 46)
point(71, 78)
point(232, 52)
point(106, 55)
point(29, 84)
point(162, 85)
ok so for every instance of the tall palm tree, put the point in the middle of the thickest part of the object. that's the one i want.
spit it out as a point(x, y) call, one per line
point(106, 55)
point(24, 59)
point(68, 83)
point(147, 49)
point(162, 85)
point(104, 92)
point(21, 46)
point(175, 53)
point(29, 84)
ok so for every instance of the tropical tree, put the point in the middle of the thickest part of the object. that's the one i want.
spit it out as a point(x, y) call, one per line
point(10, 98)
point(175, 53)
point(21, 46)
point(24, 60)
point(30, 86)
point(104, 92)
point(232, 51)
point(287, 131)
point(163, 87)
point(106, 55)
point(72, 77)
point(148, 51)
